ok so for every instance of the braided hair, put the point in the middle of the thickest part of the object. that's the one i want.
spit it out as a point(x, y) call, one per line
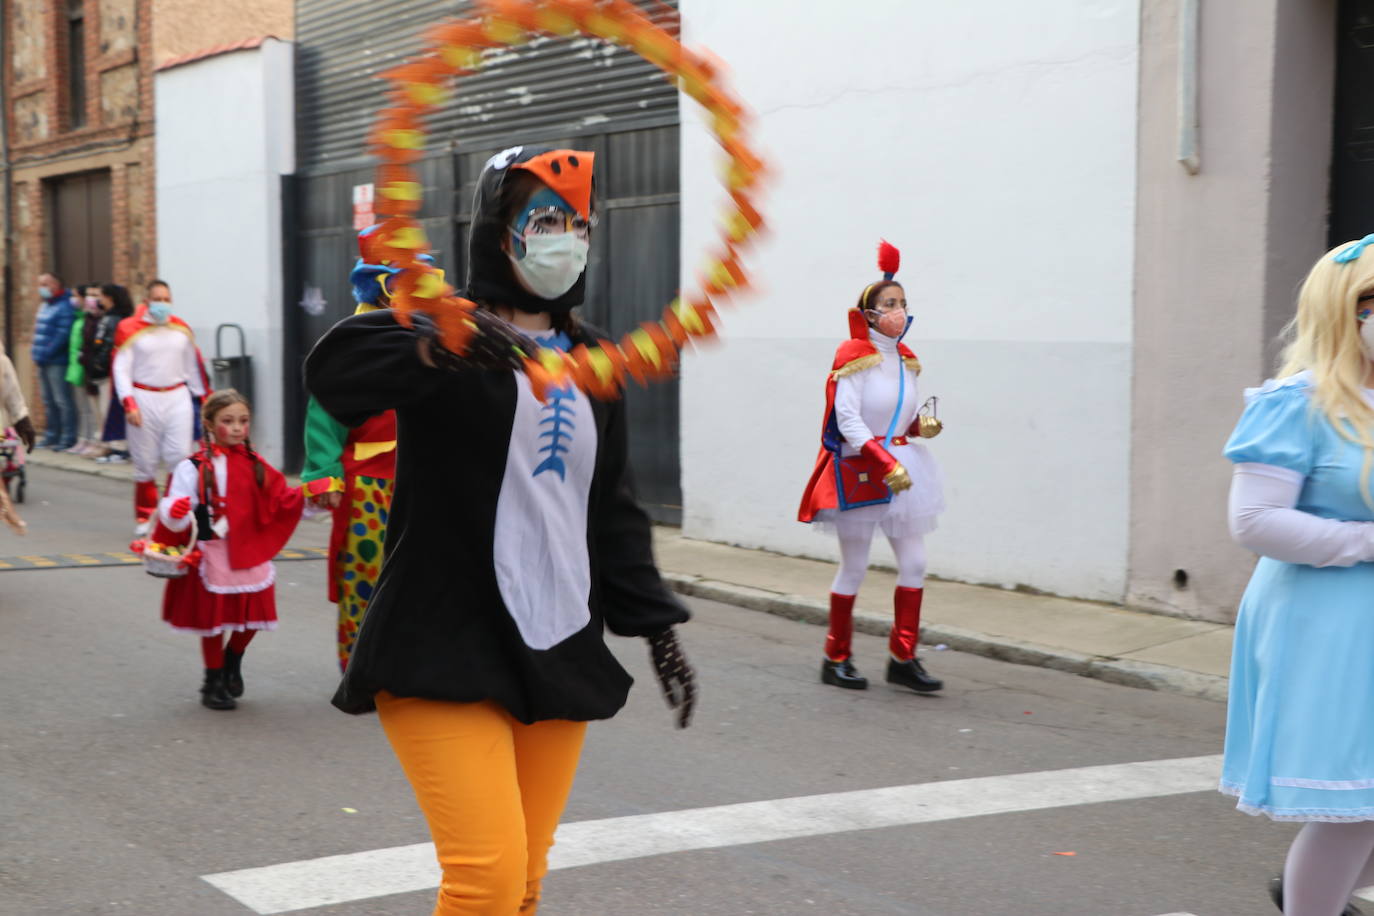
point(216, 402)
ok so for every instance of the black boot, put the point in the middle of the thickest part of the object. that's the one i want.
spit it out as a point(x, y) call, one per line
point(842, 674)
point(912, 673)
point(233, 677)
point(1276, 895)
point(212, 692)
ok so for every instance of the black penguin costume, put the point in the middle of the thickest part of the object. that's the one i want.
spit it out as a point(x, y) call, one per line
point(453, 617)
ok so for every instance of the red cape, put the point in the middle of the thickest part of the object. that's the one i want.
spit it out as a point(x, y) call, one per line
point(138, 321)
point(261, 519)
point(820, 489)
point(381, 428)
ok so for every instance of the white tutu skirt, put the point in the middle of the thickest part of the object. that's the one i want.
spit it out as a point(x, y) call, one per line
point(910, 512)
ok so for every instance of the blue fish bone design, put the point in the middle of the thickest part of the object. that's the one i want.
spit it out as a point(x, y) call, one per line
point(560, 430)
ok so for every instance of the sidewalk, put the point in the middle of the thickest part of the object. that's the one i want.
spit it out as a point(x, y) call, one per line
point(1134, 648)
point(1094, 640)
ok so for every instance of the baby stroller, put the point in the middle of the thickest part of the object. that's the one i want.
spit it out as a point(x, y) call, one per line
point(12, 460)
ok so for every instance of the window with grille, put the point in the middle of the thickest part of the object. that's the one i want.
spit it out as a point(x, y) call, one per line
point(76, 64)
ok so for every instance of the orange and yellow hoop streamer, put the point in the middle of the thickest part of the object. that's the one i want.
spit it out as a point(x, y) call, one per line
point(454, 50)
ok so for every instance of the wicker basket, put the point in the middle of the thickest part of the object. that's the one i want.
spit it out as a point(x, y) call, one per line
point(168, 562)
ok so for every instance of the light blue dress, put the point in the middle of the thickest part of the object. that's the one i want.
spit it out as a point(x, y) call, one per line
point(1300, 721)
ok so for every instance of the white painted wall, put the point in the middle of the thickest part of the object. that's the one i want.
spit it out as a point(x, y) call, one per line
point(225, 136)
point(995, 144)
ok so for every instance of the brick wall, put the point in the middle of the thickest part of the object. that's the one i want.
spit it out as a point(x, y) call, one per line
point(117, 137)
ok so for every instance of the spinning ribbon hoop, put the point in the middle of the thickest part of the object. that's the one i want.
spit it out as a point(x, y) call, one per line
point(453, 50)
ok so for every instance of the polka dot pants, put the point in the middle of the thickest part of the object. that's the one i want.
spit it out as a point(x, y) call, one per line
point(361, 559)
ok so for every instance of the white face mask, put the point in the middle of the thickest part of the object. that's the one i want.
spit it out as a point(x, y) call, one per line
point(552, 263)
point(1367, 339)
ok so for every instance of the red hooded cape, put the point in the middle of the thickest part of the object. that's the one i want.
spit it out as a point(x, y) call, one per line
point(261, 519)
point(820, 489)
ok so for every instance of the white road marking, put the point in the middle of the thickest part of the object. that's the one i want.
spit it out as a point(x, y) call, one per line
point(401, 869)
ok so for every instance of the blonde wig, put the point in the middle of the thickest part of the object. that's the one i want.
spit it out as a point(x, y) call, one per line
point(1324, 339)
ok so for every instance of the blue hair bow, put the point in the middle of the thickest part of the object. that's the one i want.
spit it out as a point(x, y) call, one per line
point(1353, 250)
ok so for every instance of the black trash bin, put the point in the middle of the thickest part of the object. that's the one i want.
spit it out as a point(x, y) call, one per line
point(232, 371)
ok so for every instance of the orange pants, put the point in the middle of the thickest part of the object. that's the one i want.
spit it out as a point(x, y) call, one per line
point(492, 790)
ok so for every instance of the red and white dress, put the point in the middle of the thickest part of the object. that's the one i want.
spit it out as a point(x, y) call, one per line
point(232, 587)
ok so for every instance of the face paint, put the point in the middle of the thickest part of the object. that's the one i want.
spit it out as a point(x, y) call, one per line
point(1364, 309)
point(231, 425)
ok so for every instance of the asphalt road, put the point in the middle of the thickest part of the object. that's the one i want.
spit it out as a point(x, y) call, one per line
point(118, 791)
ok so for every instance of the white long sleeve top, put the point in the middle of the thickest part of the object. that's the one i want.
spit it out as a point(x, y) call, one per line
point(865, 401)
point(1263, 518)
point(159, 356)
point(185, 482)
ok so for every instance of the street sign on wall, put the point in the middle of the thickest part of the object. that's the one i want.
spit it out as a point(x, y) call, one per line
point(362, 206)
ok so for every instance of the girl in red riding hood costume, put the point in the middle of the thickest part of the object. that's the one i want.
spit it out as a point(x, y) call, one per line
point(872, 473)
point(244, 512)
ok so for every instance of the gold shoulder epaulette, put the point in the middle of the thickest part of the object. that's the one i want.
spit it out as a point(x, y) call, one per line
point(912, 363)
point(857, 365)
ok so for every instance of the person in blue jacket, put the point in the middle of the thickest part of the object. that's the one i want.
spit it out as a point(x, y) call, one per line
point(51, 341)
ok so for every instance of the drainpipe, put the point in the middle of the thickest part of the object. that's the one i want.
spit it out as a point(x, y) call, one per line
point(6, 243)
point(1189, 51)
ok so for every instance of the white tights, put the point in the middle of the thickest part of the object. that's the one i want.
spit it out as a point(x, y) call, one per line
point(855, 540)
point(1326, 864)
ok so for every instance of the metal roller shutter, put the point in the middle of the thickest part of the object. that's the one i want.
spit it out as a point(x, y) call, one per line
point(547, 88)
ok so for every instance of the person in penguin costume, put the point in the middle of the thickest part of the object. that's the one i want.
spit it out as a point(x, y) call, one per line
point(873, 473)
point(514, 542)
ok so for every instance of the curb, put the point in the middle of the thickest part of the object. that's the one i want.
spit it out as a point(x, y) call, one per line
point(122, 472)
point(1143, 675)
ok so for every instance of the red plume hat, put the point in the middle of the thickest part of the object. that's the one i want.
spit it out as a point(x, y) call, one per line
point(889, 259)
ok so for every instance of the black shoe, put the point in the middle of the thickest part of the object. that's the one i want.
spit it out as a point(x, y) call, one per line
point(233, 678)
point(1276, 895)
point(842, 674)
point(212, 692)
point(912, 674)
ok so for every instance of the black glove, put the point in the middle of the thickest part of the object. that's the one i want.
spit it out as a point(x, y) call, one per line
point(675, 674)
point(24, 428)
point(493, 345)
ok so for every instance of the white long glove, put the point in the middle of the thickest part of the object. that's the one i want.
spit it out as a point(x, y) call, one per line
point(1263, 519)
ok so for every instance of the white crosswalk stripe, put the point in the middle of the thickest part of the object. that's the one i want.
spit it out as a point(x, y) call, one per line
point(359, 876)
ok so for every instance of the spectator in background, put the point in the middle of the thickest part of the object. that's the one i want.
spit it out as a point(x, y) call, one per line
point(115, 304)
point(51, 339)
point(84, 306)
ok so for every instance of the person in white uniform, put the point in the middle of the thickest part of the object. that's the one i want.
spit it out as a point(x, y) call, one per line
point(157, 372)
point(872, 473)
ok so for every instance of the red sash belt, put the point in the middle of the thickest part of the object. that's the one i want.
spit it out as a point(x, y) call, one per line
point(142, 387)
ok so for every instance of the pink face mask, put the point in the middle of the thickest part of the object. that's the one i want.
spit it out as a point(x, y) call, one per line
point(889, 324)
